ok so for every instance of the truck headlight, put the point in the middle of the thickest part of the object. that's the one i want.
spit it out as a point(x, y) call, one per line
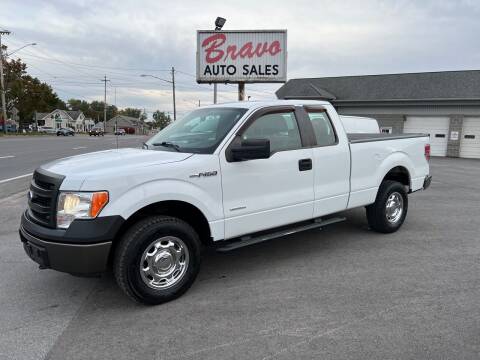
point(79, 205)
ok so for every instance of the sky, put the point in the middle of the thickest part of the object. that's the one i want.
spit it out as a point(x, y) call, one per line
point(81, 41)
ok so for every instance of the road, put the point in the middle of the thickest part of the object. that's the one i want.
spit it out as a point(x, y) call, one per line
point(340, 293)
point(20, 155)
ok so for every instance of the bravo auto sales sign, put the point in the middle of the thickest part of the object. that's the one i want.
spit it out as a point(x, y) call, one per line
point(241, 56)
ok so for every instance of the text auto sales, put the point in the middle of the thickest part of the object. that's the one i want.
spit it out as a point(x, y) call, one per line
point(215, 53)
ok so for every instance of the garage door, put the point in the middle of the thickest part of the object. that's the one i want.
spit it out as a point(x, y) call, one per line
point(436, 127)
point(470, 141)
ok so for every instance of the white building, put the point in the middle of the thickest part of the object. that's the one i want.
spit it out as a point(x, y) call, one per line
point(65, 119)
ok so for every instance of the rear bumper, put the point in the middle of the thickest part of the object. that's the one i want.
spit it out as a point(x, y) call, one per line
point(427, 182)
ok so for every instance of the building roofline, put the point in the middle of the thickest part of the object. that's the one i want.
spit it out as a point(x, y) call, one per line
point(407, 100)
point(389, 74)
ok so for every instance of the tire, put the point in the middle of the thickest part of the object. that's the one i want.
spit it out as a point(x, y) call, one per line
point(147, 247)
point(388, 212)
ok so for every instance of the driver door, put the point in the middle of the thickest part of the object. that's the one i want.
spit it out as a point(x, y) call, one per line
point(265, 193)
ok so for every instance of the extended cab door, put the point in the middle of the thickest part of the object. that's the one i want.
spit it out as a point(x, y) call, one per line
point(331, 160)
point(266, 193)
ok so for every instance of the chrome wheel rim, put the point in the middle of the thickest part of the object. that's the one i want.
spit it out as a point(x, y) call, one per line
point(164, 262)
point(394, 207)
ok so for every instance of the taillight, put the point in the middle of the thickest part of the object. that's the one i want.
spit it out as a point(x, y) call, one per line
point(427, 152)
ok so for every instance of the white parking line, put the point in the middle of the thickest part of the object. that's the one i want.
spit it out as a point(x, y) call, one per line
point(14, 178)
point(7, 157)
point(79, 147)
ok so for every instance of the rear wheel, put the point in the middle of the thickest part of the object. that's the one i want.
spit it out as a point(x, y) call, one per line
point(389, 210)
point(157, 260)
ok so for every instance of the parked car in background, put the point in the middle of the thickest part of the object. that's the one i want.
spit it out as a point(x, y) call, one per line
point(46, 130)
point(65, 132)
point(120, 132)
point(96, 132)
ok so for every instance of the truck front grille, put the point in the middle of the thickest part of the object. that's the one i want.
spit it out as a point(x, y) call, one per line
point(42, 197)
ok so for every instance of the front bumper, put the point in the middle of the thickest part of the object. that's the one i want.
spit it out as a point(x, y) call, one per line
point(85, 252)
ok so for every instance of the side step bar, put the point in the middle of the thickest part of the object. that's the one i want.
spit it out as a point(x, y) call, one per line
point(250, 240)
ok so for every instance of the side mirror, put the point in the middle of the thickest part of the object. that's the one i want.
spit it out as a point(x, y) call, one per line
point(250, 149)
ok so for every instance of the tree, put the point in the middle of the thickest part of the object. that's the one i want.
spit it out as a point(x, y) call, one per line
point(78, 105)
point(161, 119)
point(144, 116)
point(92, 110)
point(132, 112)
point(26, 93)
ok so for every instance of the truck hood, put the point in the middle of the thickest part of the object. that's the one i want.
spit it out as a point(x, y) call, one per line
point(110, 161)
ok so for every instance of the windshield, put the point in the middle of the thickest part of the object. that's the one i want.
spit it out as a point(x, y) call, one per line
point(201, 131)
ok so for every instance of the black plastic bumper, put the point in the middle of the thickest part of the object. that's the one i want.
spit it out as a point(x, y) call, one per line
point(427, 182)
point(83, 249)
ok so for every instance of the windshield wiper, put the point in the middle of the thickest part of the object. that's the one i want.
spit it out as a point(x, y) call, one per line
point(168, 144)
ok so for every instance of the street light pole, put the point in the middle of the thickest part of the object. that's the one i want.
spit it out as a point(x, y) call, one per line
point(2, 83)
point(20, 48)
point(219, 22)
point(173, 88)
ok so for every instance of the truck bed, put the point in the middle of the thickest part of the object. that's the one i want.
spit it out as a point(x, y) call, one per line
point(369, 137)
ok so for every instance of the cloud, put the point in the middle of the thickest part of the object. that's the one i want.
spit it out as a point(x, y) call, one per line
point(81, 41)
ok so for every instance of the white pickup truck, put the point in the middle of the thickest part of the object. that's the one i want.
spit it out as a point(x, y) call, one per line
point(228, 176)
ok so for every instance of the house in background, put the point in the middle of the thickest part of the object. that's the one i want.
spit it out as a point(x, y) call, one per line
point(65, 119)
point(131, 125)
point(99, 125)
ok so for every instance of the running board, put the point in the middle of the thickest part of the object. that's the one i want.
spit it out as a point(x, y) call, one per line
point(250, 240)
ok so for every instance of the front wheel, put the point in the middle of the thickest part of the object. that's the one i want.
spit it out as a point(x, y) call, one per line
point(389, 210)
point(157, 259)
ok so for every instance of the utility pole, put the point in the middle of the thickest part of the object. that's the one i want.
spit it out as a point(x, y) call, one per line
point(2, 83)
point(174, 105)
point(105, 101)
point(198, 103)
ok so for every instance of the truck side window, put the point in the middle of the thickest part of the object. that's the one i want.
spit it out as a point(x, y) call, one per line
point(280, 128)
point(322, 127)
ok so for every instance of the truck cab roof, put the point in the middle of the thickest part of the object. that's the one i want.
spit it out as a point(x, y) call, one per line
point(265, 103)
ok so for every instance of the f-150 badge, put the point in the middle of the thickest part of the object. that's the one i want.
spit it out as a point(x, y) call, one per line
point(204, 174)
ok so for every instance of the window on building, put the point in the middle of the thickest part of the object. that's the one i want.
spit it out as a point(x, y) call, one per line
point(280, 128)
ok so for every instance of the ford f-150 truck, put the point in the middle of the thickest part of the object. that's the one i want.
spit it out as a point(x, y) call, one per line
point(227, 176)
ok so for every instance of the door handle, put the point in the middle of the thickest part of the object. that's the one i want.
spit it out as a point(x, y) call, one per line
point(305, 164)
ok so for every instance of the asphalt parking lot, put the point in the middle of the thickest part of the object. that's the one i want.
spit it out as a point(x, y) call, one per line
point(340, 293)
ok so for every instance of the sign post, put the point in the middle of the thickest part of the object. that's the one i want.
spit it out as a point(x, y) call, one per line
point(250, 56)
